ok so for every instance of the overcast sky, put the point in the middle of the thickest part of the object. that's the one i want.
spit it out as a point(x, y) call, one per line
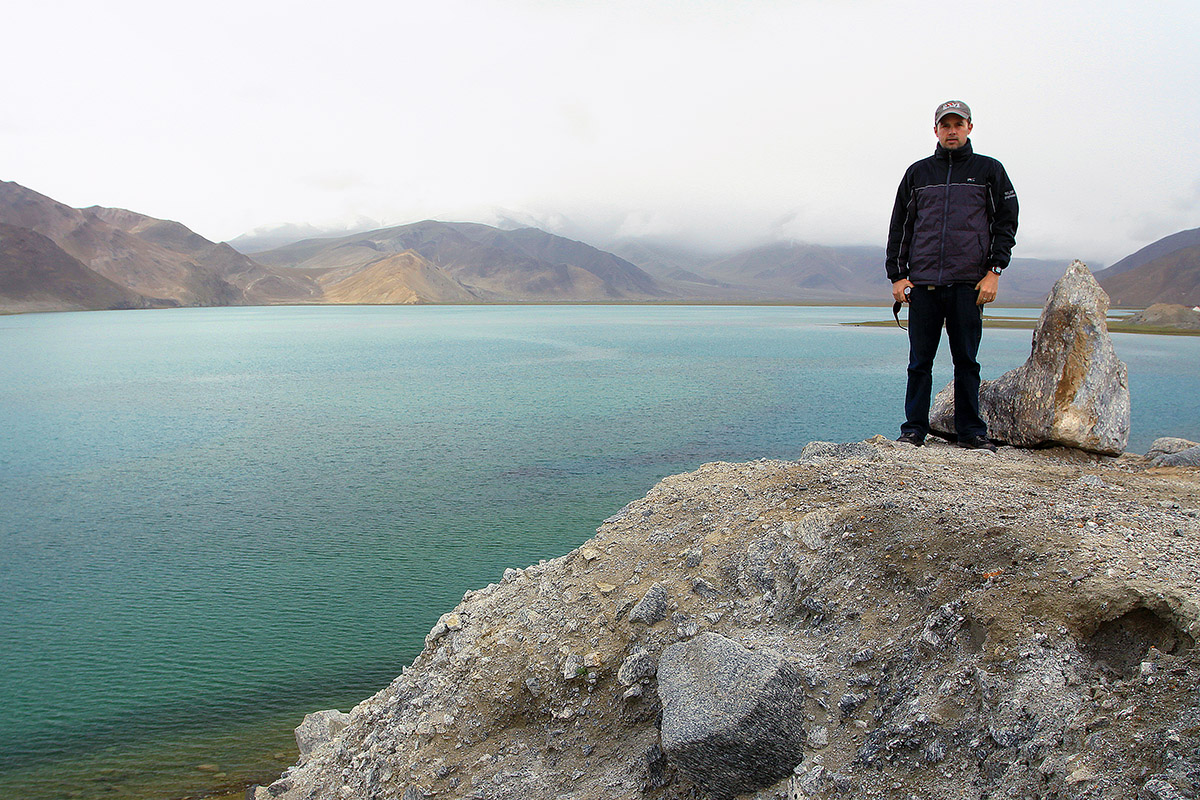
point(718, 123)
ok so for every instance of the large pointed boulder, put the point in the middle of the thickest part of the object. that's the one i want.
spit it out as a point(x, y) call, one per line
point(1072, 390)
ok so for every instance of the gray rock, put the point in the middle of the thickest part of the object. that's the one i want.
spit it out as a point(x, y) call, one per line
point(861, 656)
point(1168, 445)
point(652, 607)
point(1073, 390)
point(573, 667)
point(318, 729)
point(731, 719)
point(640, 664)
point(849, 702)
point(652, 769)
point(808, 782)
point(818, 738)
point(1158, 789)
point(1184, 458)
point(1172, 452)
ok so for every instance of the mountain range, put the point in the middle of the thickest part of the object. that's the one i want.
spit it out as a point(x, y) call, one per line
point(54, 257)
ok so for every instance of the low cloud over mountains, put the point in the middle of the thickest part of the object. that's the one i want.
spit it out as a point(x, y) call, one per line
point(54, 257)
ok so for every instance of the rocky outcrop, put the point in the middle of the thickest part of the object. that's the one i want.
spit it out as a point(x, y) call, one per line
point(1173, 452)
point(1166, 315)
point(318, 730)
point(936, 628)
point(732, 718)
point(1072, 390)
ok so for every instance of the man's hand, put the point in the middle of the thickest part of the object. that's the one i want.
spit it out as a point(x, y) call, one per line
point(900, 290)
point(988, 287)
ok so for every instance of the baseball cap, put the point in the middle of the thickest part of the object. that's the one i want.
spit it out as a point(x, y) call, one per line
point(951, 107)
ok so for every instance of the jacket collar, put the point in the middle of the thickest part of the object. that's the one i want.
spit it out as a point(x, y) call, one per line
point(961, 154)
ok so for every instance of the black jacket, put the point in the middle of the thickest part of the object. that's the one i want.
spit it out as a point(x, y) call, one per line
point(955, 217)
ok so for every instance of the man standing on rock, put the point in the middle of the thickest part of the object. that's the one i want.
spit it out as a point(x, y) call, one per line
point(952, 233)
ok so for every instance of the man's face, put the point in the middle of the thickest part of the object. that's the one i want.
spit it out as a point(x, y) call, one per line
point(952, 131)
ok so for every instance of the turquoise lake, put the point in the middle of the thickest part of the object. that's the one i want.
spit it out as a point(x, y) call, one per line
point(213, 521)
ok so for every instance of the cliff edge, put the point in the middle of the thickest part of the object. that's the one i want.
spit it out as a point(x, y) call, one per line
point(884, 621)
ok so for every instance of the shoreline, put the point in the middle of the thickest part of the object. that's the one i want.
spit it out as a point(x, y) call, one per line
point(1018, 323)
point(848, 303)
point(998, 322)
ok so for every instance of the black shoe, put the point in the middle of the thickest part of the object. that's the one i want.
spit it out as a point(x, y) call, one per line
point(977, 443)
point(915, 439)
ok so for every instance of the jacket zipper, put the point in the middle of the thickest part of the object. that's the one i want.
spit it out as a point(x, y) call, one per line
point(945, 218)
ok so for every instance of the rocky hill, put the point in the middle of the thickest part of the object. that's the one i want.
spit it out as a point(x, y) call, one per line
point(1172, 278)
point(398, 279)
point(873, 620)
point(253, 283)
point(485, 262)
point(1166, 271)
point(1166, 315)
point(162, 261)
point(1163, 247)
point(38, 275)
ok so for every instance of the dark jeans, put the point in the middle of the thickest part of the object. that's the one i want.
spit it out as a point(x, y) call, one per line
point(928, 308)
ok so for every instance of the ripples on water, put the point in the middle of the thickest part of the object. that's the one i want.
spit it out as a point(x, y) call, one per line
point(216, 520)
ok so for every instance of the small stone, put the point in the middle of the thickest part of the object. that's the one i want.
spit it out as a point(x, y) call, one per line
point(861, 657)
point(1158, 789)
point(589, 554)
point(652, 607)
point(573, 667)
point(1081, 775)
point(638, 665)
point(605, 588)
point(849, 702)
point(818, 738)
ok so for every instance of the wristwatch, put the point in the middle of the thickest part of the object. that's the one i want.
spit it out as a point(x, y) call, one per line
point(996, 270)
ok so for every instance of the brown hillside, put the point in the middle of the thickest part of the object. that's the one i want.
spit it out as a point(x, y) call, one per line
point(37, 275)
point(491, 263)
point(404, 278)
point(124, 258)
point(1173, 278)
point(218, 262)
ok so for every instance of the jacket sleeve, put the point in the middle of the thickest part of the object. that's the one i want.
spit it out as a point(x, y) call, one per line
point(1002, 198)
point(900, 232)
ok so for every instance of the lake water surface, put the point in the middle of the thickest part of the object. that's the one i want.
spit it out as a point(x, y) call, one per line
point(213, 521)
